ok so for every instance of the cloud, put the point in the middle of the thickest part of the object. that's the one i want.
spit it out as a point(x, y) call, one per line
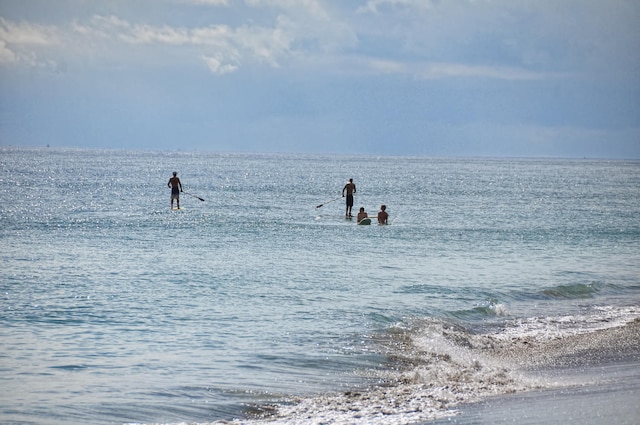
point(6, 54)
point(578, 36)
point(444, 70)
point(452, 70)
point(222, 47)
point(208, 2)
point(371, 6)
point(22, 43)
point(147, 34)
point(216, 65)
point(427, 39)
point(388, 66)
point(311, 8)
point(27, 34)
point(288, 30)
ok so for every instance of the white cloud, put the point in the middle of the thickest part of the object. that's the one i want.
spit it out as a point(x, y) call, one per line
point(216, 65)
point(208, 2)
point(588, 36)
point(501, 39)
point(214, 35)
point(266, 45)
point(387, 66)
point(371, 6)
point(442, 70)
point(298, 28)
point(109, 36)
point(27, 34)
point(147, 34)
point(451, 70)
point(313, 8)
point(6, 54)
point(21, 43)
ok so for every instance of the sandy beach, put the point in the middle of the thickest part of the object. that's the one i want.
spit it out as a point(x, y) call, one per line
point(615, 401)
point(595, 379)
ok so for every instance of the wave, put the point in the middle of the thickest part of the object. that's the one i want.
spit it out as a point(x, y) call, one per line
point(490, 309)
point(435, 365)
point(574, 291)
point(594, 289)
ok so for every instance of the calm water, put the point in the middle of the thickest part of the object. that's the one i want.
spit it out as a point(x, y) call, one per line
point(115, 309)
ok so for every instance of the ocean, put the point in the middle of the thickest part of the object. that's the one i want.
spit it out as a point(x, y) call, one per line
point(495, 278)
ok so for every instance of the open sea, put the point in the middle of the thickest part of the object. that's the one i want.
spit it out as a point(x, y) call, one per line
point(494, 277)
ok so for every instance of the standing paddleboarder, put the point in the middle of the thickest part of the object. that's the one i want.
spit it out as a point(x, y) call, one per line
point(176, 188)
point(350, 189)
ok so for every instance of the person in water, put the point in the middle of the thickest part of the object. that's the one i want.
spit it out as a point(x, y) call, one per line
point(362, 214)
point(383, 216)
point(350, 189)
point(176, 188)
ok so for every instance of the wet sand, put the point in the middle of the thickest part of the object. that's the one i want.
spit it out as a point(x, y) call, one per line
point(594, 379)
point(616, 401)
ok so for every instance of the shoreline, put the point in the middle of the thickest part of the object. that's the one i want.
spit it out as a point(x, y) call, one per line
point(591, 379)
point(612, 401)
point(615, 344)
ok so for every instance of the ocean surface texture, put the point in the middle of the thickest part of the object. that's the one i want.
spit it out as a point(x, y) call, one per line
point(496, 278)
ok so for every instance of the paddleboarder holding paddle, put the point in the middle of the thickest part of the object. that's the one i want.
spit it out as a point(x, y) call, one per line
point(350, 189)
point(176, 188)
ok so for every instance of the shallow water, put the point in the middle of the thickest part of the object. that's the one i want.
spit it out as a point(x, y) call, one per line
point(116, 309)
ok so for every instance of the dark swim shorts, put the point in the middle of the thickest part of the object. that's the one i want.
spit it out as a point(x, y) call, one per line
point(349, 200)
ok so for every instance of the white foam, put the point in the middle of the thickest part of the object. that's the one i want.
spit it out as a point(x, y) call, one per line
point(500, 309)
point(555, 327)
point(436, 366)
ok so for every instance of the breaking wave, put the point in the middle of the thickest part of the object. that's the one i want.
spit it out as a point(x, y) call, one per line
point(435, 365)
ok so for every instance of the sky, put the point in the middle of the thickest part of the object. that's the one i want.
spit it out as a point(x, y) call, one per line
point(525, 78)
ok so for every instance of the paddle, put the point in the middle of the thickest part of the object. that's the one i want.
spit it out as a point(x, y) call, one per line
point(329, 202)
point(186, 193)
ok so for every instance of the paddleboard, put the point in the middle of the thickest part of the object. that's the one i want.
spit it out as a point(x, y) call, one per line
point(365, 221)
point(176, 209)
